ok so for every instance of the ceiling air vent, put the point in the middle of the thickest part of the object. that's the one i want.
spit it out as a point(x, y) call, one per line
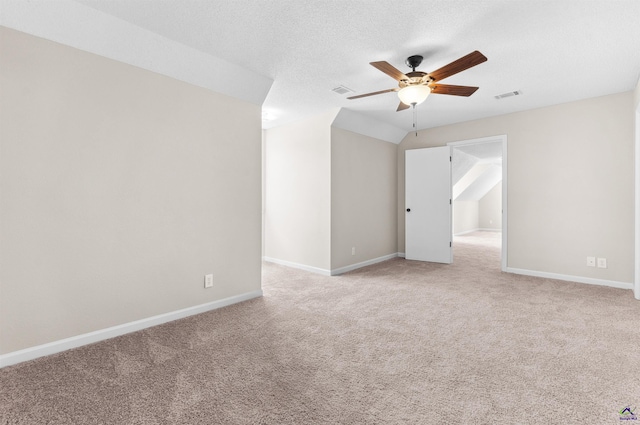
point(342, 90)
point(509, 94)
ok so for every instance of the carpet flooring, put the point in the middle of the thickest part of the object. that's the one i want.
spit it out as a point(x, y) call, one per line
point(399, 342)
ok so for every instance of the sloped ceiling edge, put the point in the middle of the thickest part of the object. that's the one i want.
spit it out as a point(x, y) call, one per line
point(88, 29)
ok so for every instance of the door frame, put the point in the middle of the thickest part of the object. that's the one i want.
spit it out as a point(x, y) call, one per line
point(637, 206)
point(503, 139)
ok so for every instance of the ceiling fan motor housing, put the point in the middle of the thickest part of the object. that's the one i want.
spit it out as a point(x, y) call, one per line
point(415, 78)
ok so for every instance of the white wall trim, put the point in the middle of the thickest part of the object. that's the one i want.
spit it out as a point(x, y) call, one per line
point(304, 267)
point(333, 272)
point(568, 278)
point(114, 331)
point(637, 205)
point(578, 279)
point(477, 229)
point(351, 267)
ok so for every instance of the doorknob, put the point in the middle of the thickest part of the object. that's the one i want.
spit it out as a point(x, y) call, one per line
point(408, 209)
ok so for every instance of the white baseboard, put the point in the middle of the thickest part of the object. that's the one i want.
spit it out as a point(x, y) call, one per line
point(334, 272)
point(579, 279)
point(100, 335)
point(465, 232)
point(479, 229)
point(363, 264)
point(304, 267)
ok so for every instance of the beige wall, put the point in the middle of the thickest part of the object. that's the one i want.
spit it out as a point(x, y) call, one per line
point(570, 184)
point(483, 214)
point(120, 190)
point(298, 192)
point(328, 190)
point(490, 209)
point(465, 216)
point(363, 198)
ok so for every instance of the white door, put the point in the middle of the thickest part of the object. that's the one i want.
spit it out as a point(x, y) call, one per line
point(428, 205)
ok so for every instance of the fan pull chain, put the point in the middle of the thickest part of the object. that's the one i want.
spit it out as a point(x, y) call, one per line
point(415, 119)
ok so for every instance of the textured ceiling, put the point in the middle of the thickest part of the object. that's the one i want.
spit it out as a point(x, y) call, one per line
point(554, 51)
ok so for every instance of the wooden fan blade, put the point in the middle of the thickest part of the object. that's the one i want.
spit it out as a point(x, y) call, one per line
point(465, 62)
point(453, 90)
point(389, 69)
point(402, 107)
point(372, 94)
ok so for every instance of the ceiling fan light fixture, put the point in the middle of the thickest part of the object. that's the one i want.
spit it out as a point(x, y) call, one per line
point(415, 94)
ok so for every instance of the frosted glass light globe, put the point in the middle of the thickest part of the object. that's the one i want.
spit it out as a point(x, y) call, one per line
point(414, 94)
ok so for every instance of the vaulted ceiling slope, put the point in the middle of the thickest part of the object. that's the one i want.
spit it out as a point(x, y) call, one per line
point(475, 170)
point(82, 27)
point(552, 51)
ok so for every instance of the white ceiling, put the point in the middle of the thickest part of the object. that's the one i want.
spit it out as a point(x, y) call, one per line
point(554, 51)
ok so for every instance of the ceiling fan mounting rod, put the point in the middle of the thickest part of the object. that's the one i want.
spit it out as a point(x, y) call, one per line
point(414, 61)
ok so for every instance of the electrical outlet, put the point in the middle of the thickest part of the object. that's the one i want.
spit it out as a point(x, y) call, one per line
point(602, 263)
point(353, 250)
point(591, 261)
point(208, 281)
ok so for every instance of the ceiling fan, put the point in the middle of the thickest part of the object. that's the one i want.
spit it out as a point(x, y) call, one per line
point(414, 87)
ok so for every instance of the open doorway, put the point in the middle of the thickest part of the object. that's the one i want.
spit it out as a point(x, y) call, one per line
point(478, 180)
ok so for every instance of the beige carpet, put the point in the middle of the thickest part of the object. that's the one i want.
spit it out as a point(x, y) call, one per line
point(400, 342)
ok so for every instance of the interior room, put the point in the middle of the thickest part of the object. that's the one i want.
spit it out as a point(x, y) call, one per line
point(286, 212)
point(476, 174)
